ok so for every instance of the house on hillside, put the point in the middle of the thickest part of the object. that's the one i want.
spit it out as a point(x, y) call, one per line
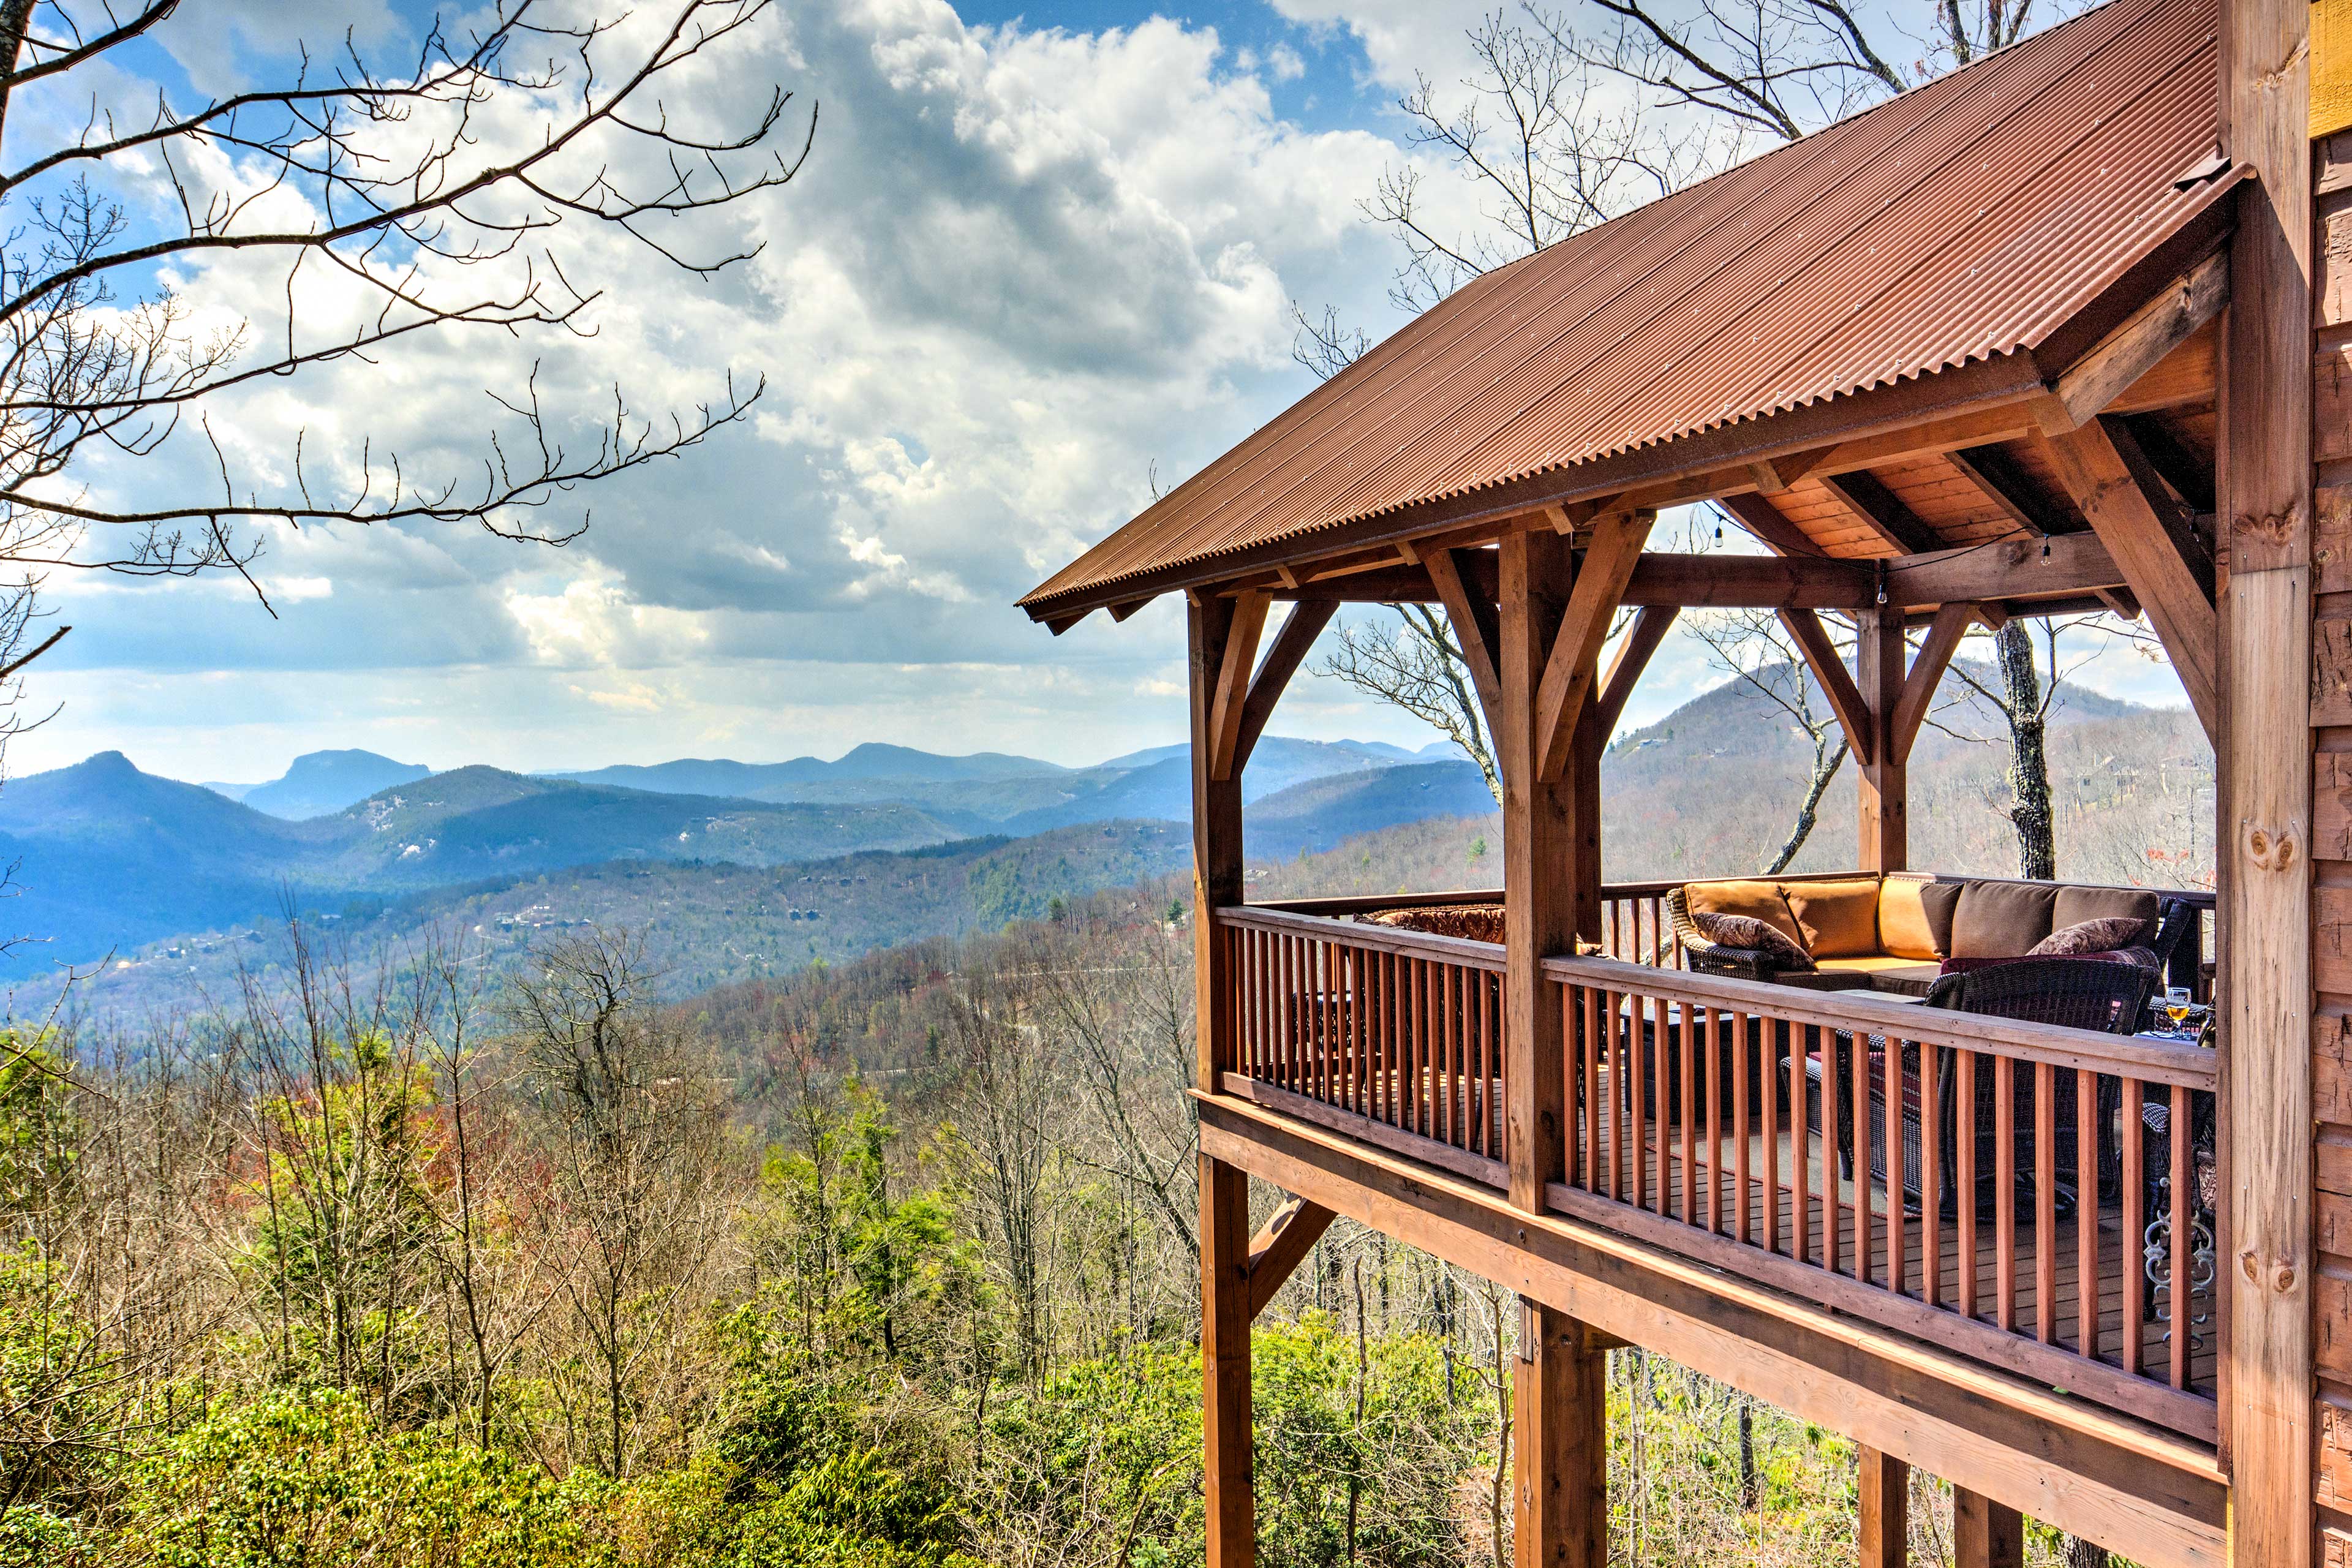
point(1897, 1150)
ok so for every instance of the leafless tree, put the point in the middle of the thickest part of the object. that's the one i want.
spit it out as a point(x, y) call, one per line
point(634, 1118)
point(1754, 648)
point(1007, 1098)
point(415, 197)
point(1783, 68)
point(1413, 662)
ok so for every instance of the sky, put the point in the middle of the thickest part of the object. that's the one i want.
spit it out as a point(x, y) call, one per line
point(1040, 259)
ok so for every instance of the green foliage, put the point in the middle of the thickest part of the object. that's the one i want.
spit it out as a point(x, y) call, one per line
point(304, 1479)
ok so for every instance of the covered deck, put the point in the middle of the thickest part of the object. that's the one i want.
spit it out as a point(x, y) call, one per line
point(2017, 343)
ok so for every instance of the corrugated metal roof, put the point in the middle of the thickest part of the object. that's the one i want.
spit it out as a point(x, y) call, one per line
point(1963, 221)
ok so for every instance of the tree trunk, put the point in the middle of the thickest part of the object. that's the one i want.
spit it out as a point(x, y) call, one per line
point(2037, 851)
point(1827, 759)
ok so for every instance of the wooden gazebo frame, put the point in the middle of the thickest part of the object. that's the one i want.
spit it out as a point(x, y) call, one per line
point(1522, 1110)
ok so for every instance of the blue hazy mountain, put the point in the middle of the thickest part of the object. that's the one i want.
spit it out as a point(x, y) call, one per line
point(322, 782)
point(108, 856)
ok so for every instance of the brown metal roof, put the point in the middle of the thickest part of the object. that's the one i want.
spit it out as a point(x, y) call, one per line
point(1963, 222)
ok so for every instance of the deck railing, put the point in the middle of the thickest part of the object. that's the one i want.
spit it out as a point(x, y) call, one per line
point(1996, 1185)
point(2026, 1194)
point(1399, 1031)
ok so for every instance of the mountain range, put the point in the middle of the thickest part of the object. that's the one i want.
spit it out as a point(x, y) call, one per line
point(109, 858)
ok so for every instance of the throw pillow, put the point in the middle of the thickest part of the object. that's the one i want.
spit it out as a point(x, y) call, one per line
point(1756, 936)
point(1475, 922)
point(2103, 935)
point(1745, 896)
point(1840, 919)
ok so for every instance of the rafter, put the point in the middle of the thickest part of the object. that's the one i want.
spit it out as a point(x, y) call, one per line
point(1865, 495)
point(1765, 521)
point(2187, 472)
point(2092, 383)
point(2002, 481)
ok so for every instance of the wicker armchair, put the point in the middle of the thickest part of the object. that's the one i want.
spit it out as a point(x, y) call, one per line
point(2070, 991)
point(2107, 997)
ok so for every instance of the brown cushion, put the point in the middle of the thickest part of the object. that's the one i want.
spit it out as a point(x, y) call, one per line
point(1902, 928)
point(2076, 905)
point(2091, 936)
point(1938, 901)
point(2001, 919)
point(1478, 922)
point(1839, 920)
point(1747, 931)
point(1756, 900)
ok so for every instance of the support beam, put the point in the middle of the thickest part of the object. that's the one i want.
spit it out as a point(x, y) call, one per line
point(1225, 1433)
point(2166, 583)
point(1299, 630)
point(1935, 657)
point(1542, 856)
point(1232, 692)
point(1885, 816)
point(2264, 765)
point(1863, 494)
point(1885, 1527)
point(1829, 673)
point(1569, 670)
point(2087, 387)
point(1985, 1534)
point(2002, 481)
point(1641, 640)
point(1765, 521)
point(1280, 1246)
point(1560, 1457)
point(2075, 562)
point(1477, 626)
point(1216, 839)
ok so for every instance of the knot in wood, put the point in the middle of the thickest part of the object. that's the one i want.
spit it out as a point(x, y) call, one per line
point(2270, 848)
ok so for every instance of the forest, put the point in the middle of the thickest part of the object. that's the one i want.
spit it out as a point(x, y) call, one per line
point(888, 1264)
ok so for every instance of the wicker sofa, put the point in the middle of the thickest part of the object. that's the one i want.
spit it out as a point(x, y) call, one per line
point(1900, 932)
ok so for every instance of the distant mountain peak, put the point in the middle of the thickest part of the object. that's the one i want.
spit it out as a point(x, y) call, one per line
point(319, 784)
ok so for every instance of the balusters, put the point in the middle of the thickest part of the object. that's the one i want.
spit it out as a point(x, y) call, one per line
point(2133, 1131)
point(2004, 1192)
point(2086, 1213)
point(2046, 1203)
point(2182, 1218)
point(1897, 1166)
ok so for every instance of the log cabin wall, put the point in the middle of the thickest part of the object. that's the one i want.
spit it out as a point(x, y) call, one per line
point(2331, 808)
point(2331, 720)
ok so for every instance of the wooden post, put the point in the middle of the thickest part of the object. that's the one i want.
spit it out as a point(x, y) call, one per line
point(1560, 1396)
point(1228, 1462)
point(1550, 845)
point(1885, 839)
point(1540, 871)
point(2265, 763)
point(1224, 1189)
point(1984, 1534)
point(1885, 1528)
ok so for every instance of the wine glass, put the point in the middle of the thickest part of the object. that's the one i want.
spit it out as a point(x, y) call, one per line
point(2178, 1004)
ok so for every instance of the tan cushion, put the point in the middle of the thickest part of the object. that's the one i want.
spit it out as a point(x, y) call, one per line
point(1902, 928)
point(1758, 900)
point(2001, 919)
point(1870, 963)
point(1886, 971)
point(1839, 919)
point(2076, 905)
point(1938, 901)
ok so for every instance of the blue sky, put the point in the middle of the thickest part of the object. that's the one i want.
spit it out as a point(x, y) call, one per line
point(1040, 255)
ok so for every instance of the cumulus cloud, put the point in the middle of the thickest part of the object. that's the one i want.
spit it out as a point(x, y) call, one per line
point(1023, 268)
